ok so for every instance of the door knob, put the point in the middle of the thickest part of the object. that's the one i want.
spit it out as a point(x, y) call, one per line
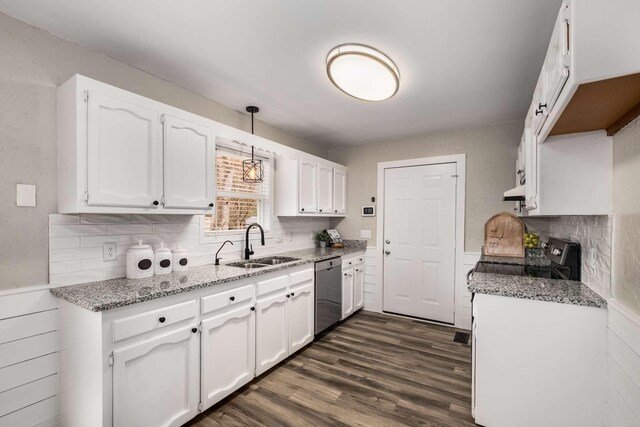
point(387, 253)
point(387, 241)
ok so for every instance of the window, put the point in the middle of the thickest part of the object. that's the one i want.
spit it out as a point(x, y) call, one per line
point(238, 203)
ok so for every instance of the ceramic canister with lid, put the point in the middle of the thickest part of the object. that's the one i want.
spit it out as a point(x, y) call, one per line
point(139, 261)
point(162, 260)
point(180, 259)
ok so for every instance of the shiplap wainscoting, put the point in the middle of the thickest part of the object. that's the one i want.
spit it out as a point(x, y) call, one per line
point(623, 367)
point(372, 285)
point(29, 344)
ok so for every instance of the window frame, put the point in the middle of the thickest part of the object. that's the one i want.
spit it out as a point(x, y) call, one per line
point(218, 236)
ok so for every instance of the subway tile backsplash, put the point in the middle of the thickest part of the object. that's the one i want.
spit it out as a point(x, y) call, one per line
point(594, 235)
point(75, 241)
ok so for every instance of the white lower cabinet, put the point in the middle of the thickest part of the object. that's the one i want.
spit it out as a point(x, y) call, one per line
point(228, 353)
point(272, 337)
point(352, 285)
point(156, 381)
point(347, 293)
point(161, 362)
point(358, 287)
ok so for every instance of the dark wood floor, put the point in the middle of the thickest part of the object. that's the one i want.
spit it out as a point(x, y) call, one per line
point(372, 370)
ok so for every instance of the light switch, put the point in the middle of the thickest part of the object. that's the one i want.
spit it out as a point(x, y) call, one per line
point(365, 234)
point(26, 195)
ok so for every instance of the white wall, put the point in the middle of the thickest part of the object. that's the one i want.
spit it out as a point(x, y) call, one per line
point(34, 64)
point(490, 162)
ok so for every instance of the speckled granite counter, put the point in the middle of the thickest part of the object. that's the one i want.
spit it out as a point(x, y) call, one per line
point(535, 288)
point(110, 294)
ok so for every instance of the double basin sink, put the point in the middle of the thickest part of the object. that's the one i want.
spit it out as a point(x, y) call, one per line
point(262, 262)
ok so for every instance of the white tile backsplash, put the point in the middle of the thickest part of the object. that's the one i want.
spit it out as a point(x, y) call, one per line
point(75, 241)
point(594, 235)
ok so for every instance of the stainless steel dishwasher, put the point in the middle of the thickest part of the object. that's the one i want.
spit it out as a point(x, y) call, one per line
point(328, 293)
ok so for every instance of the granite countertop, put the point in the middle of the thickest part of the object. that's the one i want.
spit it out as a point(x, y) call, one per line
point(535, 288)
point(114, 293)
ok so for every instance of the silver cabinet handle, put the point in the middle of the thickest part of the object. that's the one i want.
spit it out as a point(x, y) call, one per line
point(387, 253)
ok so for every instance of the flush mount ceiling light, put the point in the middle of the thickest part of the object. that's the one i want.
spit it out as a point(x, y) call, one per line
point(363, 72)
point(252, 170)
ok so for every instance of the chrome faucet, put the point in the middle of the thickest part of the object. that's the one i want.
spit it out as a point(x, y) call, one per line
point(248, 249)
point(218, 259)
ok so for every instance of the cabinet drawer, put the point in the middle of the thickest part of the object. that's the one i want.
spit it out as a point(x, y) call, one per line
point(347, 263)
point(359, 260)
point(155, 319)
point(227, 298)
point(302, 276)
point(274, 284)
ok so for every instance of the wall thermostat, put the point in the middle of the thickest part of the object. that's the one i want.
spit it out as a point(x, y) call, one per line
point(368, 211)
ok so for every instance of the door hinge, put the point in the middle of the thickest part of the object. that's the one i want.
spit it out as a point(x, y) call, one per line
point(164, 201)
point(200, 327)
point(111, 359)
point(163, 118)
point(199, 406)
point(85, 97)
point(86, 196)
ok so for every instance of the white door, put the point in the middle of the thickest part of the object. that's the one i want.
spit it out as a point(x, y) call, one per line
point(419, 241)
point(272, 331)
point(189, 165)
point(325, 189)
point(308, 196)
point(228, 353)
point(358, 287)
point(123, 154)
point(555, 68)
point(347, 293)
point(301, 316)
point(339, 190)
point(156, 382)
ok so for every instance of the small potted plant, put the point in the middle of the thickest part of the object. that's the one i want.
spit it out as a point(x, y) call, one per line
point(322, 238)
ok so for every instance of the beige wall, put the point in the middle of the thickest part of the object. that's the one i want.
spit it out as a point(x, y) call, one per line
point(626, 209)
point(491, 156)
point(33, 64)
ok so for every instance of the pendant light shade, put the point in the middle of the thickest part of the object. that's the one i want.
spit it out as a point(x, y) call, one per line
point(252, 170)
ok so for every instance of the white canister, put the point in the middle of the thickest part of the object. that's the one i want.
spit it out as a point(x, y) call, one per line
point(162, 260)
point(139, 261)
point(180, 259)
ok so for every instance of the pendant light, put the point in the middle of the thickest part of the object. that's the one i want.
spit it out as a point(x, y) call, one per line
point(252, 170)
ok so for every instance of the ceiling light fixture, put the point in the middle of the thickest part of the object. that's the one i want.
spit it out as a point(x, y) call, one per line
point(363, 72)
point(252, 170)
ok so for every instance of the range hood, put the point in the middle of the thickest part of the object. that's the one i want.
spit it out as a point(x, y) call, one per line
point(515, 194)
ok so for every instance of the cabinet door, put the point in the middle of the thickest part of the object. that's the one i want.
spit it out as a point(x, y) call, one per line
point(156, 382)
point(301, 316)
point(228, 353)
point(308, 196)
point(189, 165)
point(556, 69)
point(358, 287)
point(538, 111)
point(123, 154)
point(347, 293)
point(339, 190)
point(531, 167)
point(272, 331)
point(325, 189)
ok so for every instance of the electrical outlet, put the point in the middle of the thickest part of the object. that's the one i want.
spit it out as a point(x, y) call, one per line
point(109, 251)
point(365, 234)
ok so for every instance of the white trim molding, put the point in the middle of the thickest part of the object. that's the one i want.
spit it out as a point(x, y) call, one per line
point(460, 161)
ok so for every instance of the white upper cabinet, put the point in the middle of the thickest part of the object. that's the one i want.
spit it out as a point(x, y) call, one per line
point(325, 188)
point(188, 147)
point(123, 153)
point(339, 190)
point(556, 64)
point(116, 156)
point(308, 197)
point(309, 187)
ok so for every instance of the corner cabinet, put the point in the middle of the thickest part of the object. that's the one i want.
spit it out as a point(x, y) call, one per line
point(119, 152)
point(307, 186)
point(161, 362)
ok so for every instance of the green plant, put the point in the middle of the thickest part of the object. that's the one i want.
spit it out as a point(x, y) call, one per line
point(321, 236)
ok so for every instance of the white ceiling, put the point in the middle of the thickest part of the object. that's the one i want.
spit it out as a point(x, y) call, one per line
point(462, 63)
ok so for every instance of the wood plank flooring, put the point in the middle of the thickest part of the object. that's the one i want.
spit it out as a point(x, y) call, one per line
point(372, 370)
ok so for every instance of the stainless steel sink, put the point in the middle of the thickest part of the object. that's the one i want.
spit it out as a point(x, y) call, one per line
point(247, 264)
point(262, 262)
